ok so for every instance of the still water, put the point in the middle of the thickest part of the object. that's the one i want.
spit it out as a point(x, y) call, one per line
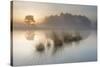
point(26, 43)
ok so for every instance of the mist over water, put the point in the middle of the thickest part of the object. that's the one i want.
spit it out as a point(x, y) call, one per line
point(65, 38)
point(40, 47)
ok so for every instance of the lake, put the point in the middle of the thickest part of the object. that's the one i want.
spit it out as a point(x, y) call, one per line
point(32, 47)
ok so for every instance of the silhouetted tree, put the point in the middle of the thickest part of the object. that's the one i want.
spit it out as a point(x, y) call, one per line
point(29, 19)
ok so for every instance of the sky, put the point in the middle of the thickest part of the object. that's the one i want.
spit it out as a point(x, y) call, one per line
point(41, 10)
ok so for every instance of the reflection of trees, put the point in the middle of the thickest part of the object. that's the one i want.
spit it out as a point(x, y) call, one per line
point(77, 37)
point(29, 35)
point(56, 39)
point(68, 37)
point(58, 43)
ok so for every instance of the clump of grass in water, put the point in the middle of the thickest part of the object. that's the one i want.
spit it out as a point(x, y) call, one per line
point(57, 41)
point(48, 45)
point(77, 37)
point(40, 47)
point(68, 38)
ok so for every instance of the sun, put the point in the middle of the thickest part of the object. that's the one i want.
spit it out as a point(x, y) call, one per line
point(38, 19)
point(30, 19)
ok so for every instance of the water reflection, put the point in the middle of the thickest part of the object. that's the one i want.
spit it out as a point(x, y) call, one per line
point(53, 41)
point(36, 46)
point(69, 37)
point(29, 35)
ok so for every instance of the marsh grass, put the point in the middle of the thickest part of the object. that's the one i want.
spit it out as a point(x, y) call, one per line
point(40, 47)
point(58, 43)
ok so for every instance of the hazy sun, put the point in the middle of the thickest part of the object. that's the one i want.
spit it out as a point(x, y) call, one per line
point(30, 19)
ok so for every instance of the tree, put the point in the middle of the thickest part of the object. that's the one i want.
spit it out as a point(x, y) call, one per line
point(29, 19)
